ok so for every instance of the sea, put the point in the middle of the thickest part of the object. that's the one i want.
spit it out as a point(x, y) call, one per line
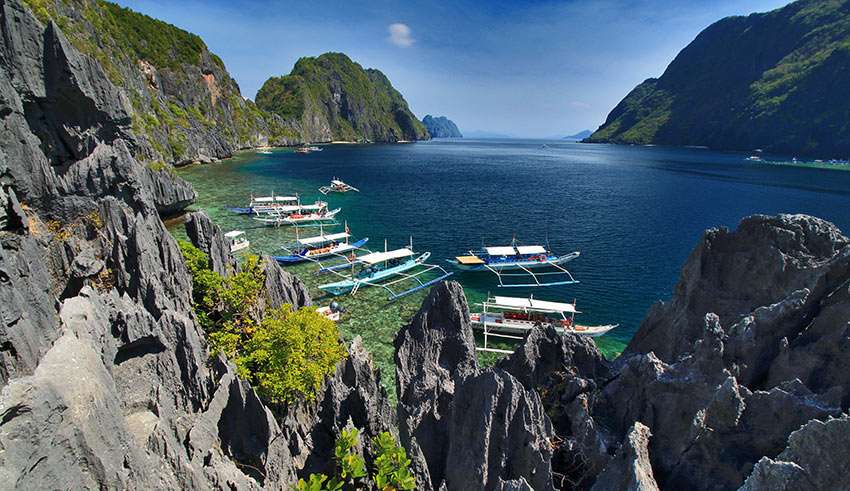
point(634, 213)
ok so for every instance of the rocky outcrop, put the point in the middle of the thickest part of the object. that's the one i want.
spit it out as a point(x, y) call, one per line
point(106, 377)
point(208, 237)
point(630, 469)
point(746, 352)
point(183, 104)
point(816, 458)
point(353, 396)
point(461, 425)
point(441, 127)
point(330, 97)
point(744, 275)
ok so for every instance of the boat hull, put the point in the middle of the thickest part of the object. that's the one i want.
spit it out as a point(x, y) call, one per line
point(499, 325)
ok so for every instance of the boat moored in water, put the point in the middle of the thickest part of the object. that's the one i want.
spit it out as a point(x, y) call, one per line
point(337, 186)
point(522, 258)
point(315, 215)
point(320, 246)
point(511, 318)
point(237, 240)
point(386, 270)
point(265, 204)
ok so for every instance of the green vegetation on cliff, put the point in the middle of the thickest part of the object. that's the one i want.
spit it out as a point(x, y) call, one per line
point(185, 106)
point(285, 354)
point(334, 98)
point(776, 81)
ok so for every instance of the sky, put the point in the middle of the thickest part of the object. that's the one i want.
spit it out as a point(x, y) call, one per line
point(524, 69)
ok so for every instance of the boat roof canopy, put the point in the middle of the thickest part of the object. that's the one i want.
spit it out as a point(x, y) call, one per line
point(269, 199)
point(469, 260)
point(337, 182)
point(379, 257)
point(501, 251)
point(323, 238)
point(532, 304)
point(535, 249)
point(234, 233)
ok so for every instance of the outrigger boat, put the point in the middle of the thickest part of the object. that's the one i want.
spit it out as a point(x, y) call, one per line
point(514, 257)
point(374, 268)
point(320, 246)
point(337, 186)
point(512, 318)
point(265, 204)
point(321, 214)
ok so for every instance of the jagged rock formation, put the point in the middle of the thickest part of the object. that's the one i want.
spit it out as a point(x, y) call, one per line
point(464, 427)
point(773, 81)
point(106, 378)
point(330, 97)
point(441, 127)
point(182, 102)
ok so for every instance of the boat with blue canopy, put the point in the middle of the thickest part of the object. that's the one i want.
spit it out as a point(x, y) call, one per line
point(536, 264)
point(400, 272)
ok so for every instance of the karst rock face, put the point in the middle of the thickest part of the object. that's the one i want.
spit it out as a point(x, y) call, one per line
point(107, 380)
point(740, 380)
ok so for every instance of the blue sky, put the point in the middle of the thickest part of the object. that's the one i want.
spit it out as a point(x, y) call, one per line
point(519, 68)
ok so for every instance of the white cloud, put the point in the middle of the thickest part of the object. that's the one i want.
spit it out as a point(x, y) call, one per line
point(400, 35)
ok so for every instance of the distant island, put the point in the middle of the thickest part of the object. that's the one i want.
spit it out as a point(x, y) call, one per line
point(441, 127)
point(776, 81)
point(330, 98)
point(581, 135)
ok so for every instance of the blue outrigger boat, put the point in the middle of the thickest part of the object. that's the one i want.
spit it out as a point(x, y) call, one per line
point(319, 247)
point(266, 204)
point(528, 260)
point(372, 269)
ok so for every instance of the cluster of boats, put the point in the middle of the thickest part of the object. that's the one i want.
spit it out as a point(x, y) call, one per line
point(402, 271)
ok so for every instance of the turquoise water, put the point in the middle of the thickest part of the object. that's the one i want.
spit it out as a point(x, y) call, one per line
point(635, 213)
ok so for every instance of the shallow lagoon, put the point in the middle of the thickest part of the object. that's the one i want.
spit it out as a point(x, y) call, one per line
point(635, 213)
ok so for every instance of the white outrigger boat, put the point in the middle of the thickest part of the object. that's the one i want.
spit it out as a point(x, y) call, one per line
point(374, 268)
point(337, 186)
point(512, 318)
point(522, 258)
point(265, 204)
point(302, 215)
point(237, 240)
point(321, 246)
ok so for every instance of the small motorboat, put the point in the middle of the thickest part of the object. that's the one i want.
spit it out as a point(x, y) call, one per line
point(237, 240)
point(337, 186)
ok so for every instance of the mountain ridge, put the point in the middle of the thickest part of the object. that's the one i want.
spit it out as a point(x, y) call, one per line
point(330, 97)
point(769, 80)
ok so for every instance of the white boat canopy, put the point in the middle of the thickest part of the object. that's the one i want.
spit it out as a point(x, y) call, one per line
point(323, 238)
point(379, 257)
point(338, 182)
point(532, 304)
point(535, 249)
point(234, 233)
point(269, 199)
point(501, 251)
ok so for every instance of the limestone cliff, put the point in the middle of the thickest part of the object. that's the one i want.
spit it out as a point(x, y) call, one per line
point(330, 97)
point(182, 103)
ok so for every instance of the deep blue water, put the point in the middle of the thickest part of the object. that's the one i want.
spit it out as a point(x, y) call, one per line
point(635, 213)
